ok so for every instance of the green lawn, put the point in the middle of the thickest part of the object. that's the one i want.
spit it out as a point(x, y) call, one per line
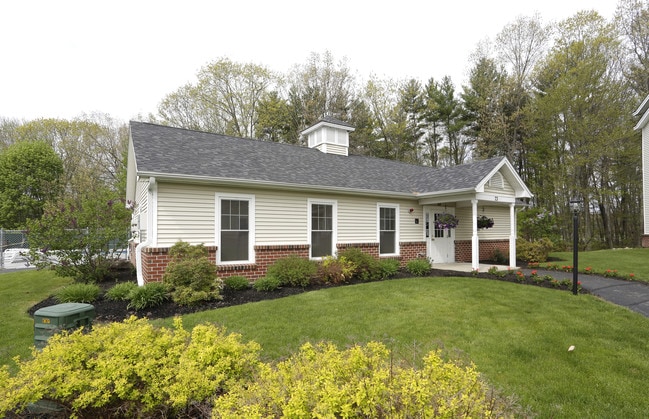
point(517, 335)
point(625, 261)
point(20, 290)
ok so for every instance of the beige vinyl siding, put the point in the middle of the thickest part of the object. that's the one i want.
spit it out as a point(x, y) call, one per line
point(185, 212)
point(500, 230)
point(463, 231)
point(356, 220)
point(188, 212)
point(411, 232)
point(281, 218)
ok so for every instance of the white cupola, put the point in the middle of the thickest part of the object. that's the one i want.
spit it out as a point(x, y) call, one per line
point(329, 135)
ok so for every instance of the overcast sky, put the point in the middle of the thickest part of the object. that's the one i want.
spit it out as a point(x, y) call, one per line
point(63, 58)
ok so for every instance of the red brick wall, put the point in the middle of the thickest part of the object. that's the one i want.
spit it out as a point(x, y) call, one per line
point(155, 259)
point(370, 248)
point(265, 256)
point(645, 240)
point(411, 250)
point(487, 249)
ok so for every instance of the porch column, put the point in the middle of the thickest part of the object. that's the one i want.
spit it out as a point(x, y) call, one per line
point(512, 236)
point(475, 242)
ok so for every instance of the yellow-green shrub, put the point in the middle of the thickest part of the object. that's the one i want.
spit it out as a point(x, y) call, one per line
point(130, 369)
point(336, 270)
point(363, 381)
point(534, 251)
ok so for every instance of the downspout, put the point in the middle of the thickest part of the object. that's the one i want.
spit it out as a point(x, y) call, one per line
point(151, 207)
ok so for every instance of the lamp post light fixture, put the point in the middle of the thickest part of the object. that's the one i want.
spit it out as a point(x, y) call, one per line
point(575, 205)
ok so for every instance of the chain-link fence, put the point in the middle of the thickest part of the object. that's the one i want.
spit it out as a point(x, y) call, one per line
point(13, 247)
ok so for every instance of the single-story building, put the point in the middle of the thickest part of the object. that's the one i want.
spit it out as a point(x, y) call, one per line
point(251, 202)
point(643, 124)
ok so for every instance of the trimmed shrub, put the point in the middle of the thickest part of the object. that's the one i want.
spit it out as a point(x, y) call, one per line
point(334, 270)
point(293, 271)
point(361, 382)
point(237, 283)
point(534, 251)
point(389, 267)
point(131, 369)
point(419, 267)
point(190, 276)
point(78, 293)
point(367, 267)
point(121, 291)
point(267, 283)
point(149, 295)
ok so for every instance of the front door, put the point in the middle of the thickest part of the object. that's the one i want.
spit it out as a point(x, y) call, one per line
point(440, 243)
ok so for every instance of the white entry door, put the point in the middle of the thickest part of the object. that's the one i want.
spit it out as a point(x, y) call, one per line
point(440, 243)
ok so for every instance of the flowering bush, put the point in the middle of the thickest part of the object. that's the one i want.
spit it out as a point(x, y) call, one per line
point(520, 276)
point(446, 221)
point(610, 273)
point(566, 268)
point(485, 222)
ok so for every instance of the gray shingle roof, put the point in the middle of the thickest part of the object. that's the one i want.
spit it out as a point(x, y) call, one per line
point(161, 150)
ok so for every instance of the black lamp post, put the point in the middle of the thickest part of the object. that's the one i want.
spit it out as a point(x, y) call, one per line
point(575, 205)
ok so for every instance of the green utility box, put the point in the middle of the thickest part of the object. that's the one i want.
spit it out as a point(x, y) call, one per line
point(68, 316)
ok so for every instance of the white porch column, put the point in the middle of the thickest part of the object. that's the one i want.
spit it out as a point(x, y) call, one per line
point(475, 242)
point(512, 236)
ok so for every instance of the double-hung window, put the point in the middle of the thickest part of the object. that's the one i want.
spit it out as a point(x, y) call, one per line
point(322, 220)
point(235, 228)
point(388, 229)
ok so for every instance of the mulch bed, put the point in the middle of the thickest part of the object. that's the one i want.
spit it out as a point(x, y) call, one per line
point(110, 311)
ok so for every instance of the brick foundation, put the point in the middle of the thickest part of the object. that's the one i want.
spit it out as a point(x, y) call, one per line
point(155, 259)
point(487, 249)
point(265, 256)
point(411, 250)
point(645, 240)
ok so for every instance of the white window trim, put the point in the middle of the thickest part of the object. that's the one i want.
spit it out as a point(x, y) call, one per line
point(251, 227)
point(334, 233)
point(397, 233)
